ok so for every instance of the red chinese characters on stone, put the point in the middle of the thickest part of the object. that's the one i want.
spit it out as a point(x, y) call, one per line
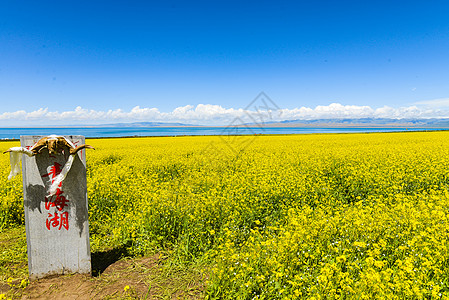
point(58, 221)
point(58, 200)
point(55, 170)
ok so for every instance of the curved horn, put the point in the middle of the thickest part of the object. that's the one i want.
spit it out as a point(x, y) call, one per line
point(20, 150)
point(80, 147)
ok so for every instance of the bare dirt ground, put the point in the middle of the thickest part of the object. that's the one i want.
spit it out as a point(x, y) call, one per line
point(137, 278)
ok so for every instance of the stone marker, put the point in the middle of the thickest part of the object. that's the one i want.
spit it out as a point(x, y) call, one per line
point(57, 227)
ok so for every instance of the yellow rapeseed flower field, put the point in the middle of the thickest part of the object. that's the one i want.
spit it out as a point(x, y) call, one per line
point(330, 216)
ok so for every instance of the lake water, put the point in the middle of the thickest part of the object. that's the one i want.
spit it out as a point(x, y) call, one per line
point(91, 132)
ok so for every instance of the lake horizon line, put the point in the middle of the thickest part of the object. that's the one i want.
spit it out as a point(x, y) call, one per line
point(14, 133)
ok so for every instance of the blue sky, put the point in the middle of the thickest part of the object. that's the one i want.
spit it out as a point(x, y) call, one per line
point(84, 62)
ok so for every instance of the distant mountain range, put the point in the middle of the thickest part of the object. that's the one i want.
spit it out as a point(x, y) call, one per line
point(363, 122)
point(360, 122)
point(146, 124)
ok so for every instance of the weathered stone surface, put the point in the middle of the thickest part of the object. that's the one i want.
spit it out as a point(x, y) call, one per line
point(57, 227)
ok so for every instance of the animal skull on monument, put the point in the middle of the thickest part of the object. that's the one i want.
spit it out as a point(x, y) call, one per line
point(55, 145)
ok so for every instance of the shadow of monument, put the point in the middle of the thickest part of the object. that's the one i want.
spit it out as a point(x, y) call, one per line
point(103, 259)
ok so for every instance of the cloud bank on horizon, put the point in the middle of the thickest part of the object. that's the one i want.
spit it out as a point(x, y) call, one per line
point(210, 114)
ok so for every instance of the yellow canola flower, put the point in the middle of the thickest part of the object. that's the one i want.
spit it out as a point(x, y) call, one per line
point(320, 216)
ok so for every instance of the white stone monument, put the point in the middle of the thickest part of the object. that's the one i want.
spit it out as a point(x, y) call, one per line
point(57, 227)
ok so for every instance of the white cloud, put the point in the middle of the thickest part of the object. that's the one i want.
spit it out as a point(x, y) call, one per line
point(441, 102)
point(20, 114)
point(41, 112)
point(209, 114)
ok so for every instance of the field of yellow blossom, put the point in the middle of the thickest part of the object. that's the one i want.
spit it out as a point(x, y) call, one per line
point(322, 216)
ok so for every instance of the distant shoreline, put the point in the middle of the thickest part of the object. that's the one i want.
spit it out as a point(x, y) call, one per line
point(141, 132)
point(274, 125)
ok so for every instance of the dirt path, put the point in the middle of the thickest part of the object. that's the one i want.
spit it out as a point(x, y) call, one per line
point(142, 278)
